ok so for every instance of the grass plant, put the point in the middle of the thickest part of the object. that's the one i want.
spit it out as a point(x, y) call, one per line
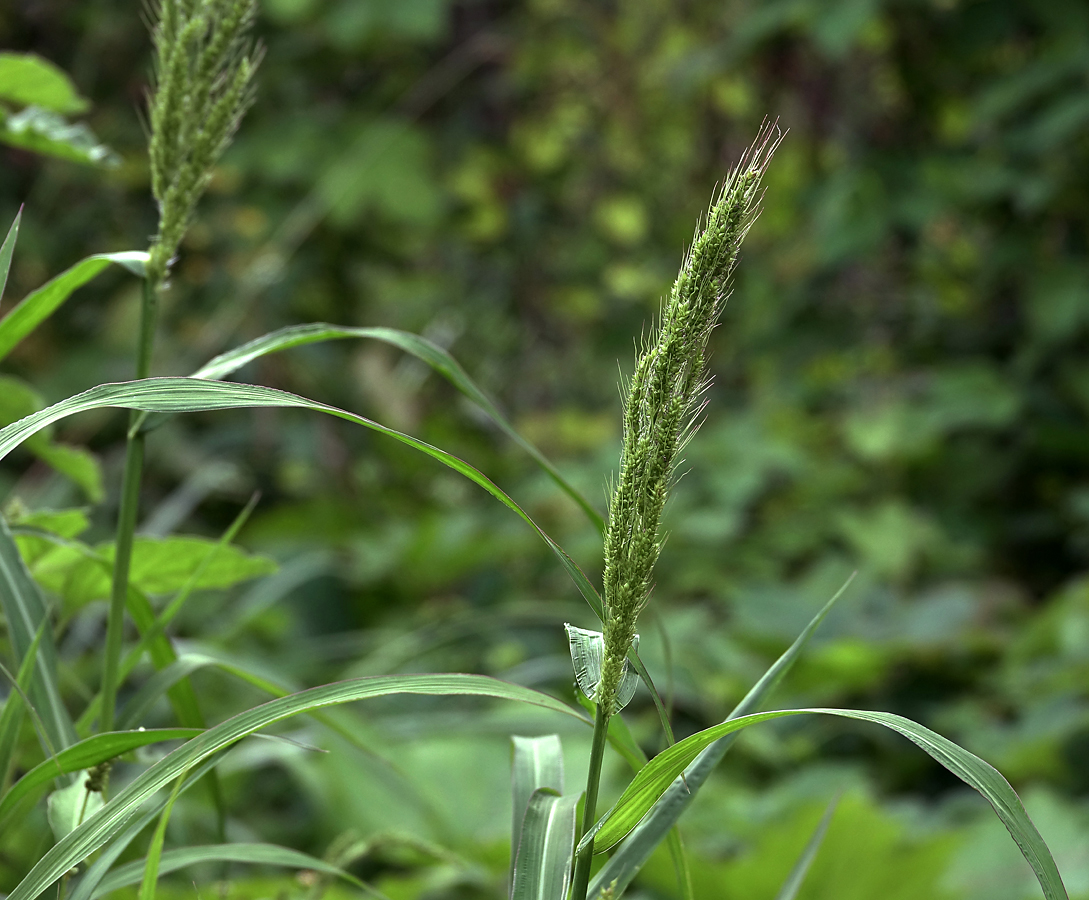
point(204, 70)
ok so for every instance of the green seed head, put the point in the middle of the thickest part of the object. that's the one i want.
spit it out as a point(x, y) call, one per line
point(204, 66)
point(663, 401)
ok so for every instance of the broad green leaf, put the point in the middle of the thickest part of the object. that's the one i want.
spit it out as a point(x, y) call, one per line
point(653, 779)
point(108, 821)
point(257, 854)
point(78, 464)
point(39, 305)
point(652, 830)
point(7, 249)
point(64, 523)
point(87, 753)
point(159, 566)
point(424, 350)
point(50, 134)
point(24, 612)
point(26, 79)
point(537, 763)
point(793, 884)
point(175, 395)
point(70, 806)
point(11, 719)
point(19, 399)
point(587, 654)
point(542, 870)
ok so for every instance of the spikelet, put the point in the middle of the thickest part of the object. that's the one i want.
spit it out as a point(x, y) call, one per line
point(664, 400)
point(204, 67)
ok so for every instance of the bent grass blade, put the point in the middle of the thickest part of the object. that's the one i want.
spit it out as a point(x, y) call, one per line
point(652, 830)
point(424, 350)
point(108, 821)
point(653, 779)
point(176, 395)
point(39, 305)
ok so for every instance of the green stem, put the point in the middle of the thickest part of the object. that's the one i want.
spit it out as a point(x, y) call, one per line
point(126, 519)
point(589, 812)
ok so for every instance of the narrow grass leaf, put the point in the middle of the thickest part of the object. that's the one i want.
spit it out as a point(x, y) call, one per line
point(100, 868)
point(257, 854)
point(652, 830)
point(11, 719)
point(38, 305)
point(108, 821)
point(796, 878)
point(24, 613)
point(653, 779)
point(155, 848)
point(87, 753)
point(424, 350)
point(176, 395)
point(537, 763)
point(7, 249)
point(542, 870)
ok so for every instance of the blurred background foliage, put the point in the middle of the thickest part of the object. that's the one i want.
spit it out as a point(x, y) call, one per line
point(900, 386)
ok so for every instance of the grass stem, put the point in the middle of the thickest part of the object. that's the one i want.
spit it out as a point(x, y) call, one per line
point(589, 814)
point(126, 519)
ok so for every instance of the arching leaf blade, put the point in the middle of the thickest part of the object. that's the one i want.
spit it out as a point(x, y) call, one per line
point(109, 820)
point(39, 305)
point(656, 825)
point(176, 395)
point(257, 854)
point(653, 779)
point(7, 250)
point(424, 350)
point(85, 755)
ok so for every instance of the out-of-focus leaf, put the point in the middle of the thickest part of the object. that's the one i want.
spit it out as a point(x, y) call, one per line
point(6, 251)
point(28, 80)
point(653, 779)
point(50, 134)
point(15, 706)
point(175, 395)
point(93, 833)
point(257, 854)
point(39, 305)
point(796, 878)
point(542, 870)
point(18, 399)
point(70, 806)
point(24, 612)
point(84, 755)
point(159, 566)
point(537, 763)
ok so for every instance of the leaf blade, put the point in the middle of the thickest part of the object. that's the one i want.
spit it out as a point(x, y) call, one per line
point(38, 305)
point(542, 869)
point(97, 829)
point(174, 395)
point(424, 350)
point(653, 829)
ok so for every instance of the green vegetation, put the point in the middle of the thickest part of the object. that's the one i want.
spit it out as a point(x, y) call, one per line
point(498, 196)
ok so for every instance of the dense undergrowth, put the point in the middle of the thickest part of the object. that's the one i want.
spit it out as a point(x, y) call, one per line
point(897, 389)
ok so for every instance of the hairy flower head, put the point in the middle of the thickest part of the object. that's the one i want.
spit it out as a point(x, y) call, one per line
point(663, 402)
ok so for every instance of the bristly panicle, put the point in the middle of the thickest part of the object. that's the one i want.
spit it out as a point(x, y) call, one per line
point(204, 66)
point(663, 399)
